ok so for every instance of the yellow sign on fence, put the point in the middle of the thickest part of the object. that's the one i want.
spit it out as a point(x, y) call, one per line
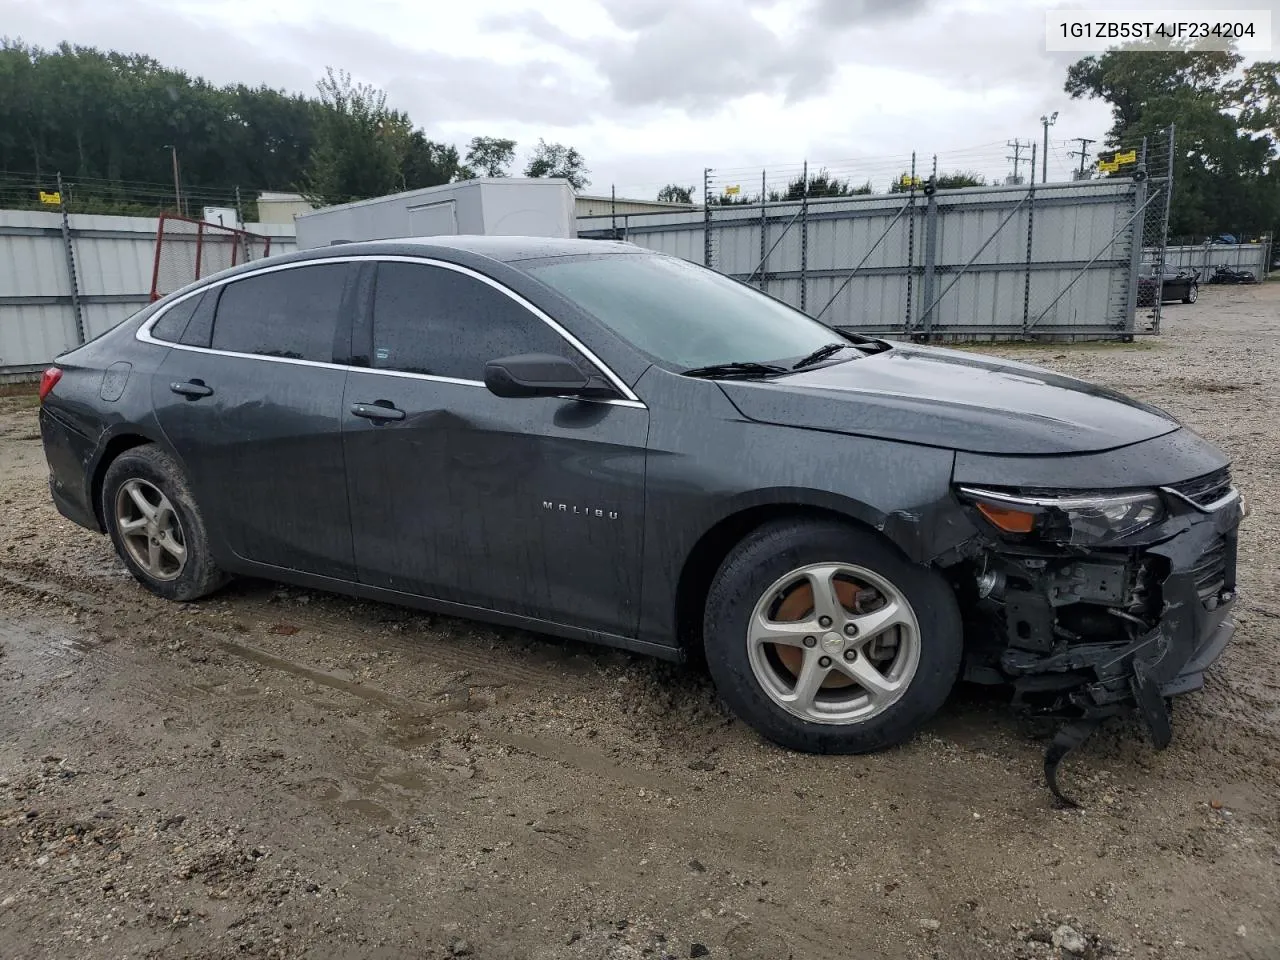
point(733, 191)
point(1117, 161)
point(53, 199)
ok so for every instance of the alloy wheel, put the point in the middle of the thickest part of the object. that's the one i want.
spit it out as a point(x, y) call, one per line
point(833, 643)
point(150, 529)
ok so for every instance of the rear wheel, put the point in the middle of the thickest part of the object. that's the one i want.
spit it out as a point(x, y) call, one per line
point(1193, 294)
point(825, 639)
point(156, 527)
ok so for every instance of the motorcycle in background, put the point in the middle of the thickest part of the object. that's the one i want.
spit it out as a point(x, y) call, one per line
point(1226, 274)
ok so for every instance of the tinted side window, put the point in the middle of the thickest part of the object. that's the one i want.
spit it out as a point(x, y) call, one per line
point(287, 313)
point(448, 324)
point(200, 326)
point(174, 320)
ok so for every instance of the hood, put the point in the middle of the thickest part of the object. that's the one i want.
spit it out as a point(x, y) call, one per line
point(946, 398)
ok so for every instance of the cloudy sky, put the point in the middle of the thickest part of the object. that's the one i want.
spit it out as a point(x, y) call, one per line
point(650, 91)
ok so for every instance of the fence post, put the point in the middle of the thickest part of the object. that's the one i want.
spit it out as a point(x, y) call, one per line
point(911, 246)
point(613, 212)
point(1164, 224)
point(1135, 253)
point(930, 261)
point(804, 239)
point(70, 254)
point(706, 218)
point(1026, 287)
point(764, 229)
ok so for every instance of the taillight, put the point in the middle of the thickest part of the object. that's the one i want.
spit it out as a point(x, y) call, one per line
point(48, 380)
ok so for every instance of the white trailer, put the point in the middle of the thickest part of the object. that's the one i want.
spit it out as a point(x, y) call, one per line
point(507, 206)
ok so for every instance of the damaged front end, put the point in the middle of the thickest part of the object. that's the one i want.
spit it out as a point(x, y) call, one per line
point(1092, 604)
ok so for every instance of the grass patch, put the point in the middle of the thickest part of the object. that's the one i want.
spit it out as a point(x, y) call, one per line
point(21, 390)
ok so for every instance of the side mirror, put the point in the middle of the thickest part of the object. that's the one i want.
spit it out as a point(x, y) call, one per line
point(541, 375)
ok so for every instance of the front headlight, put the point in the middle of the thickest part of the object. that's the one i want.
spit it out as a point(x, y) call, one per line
point(1075, 518)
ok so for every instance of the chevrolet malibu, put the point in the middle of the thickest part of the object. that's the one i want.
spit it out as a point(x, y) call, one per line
point(595, 441)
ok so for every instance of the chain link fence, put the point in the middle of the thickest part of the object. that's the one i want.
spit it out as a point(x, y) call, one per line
point(935, 257)
point(187, 250)
point(1148, 160)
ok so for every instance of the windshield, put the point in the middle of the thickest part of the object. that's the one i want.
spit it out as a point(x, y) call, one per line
point(684, 315)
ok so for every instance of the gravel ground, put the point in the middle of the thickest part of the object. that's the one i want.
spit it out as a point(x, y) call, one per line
point(276, 773)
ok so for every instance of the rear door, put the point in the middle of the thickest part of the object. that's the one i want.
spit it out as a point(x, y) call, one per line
point(251, 400)
point(531, 506)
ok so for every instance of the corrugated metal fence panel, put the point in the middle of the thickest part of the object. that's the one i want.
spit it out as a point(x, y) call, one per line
point(1206, 257)
point(1077, 275)
point(114, 259)
point(34, 334)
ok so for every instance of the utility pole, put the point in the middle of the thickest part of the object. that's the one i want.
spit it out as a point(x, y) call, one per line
point(1048, 122)
point(177, 191)
point(1017, 146)
point(1082, 153)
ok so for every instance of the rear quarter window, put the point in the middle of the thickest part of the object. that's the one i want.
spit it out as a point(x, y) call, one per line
point(173, 322)
point(290, 313)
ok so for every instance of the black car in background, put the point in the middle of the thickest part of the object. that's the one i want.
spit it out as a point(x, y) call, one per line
point(592, 440)
point(1179, 284)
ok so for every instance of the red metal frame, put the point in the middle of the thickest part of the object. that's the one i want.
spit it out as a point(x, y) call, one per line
point(200, 246)
point(155, 267)
point(203, 229)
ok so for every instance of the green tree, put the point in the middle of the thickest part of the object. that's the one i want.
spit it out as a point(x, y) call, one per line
point(355, 155)
point(674, 193)
point(426, 163)
point(488, 157)
point(960, 178)
point(1257, 94)
point(821, 184)
point(1224, 161)
point(557, 160)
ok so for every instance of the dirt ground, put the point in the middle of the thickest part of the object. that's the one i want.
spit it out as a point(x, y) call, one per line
point(276, 773)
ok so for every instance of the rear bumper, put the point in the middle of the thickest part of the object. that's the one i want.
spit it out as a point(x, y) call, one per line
point(72, 508)
point(68, 453)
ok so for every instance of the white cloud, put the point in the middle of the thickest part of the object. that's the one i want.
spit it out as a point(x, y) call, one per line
point(650, 91)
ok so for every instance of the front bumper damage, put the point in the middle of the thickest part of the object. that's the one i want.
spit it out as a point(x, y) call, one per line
point(1083, 634)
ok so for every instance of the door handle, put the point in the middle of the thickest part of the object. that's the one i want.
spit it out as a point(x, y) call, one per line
point(381, 410)
point(191, 389)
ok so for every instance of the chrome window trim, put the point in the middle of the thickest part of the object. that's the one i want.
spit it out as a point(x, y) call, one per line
point(143, 334)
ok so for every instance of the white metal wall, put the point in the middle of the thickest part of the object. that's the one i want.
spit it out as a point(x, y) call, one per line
point(114, 258)
point(1204, 258)
point(1001, 259)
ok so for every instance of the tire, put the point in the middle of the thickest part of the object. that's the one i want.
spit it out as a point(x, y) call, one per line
point(1193, 294)
point(751, 575)
point(147, 471)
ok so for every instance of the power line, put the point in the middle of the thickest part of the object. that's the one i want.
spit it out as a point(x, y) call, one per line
point(1017, 146)
point(1082, 153)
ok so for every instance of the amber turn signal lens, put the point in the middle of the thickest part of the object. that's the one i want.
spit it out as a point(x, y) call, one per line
point(1008, 519)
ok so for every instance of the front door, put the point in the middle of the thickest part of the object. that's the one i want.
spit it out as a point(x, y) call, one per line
point(532, 506)
point(251, 402)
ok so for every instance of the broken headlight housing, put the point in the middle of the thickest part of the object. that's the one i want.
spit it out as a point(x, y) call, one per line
point(1069, 518)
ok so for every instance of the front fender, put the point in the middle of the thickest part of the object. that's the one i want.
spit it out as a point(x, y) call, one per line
point(707, 463)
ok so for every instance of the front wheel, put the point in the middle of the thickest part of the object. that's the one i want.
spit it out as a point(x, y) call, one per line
point(156, 527)
point(824, 638)
point(1192, 295)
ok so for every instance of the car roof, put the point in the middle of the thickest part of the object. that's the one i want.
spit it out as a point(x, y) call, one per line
point(503, 249)
point(471, 251)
